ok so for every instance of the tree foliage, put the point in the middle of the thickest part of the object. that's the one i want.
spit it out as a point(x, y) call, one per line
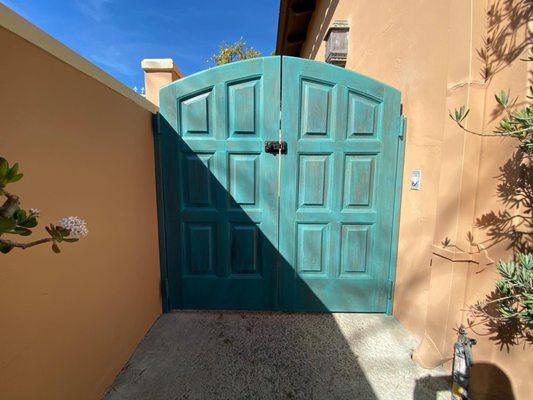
point(230, 52)
point(517, 123)
point(510, 306)
point(512, 302)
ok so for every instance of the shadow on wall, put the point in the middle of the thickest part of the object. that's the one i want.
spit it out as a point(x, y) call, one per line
point(332, 370)
point(487, 382)
point(328, 11)
point(513, 226)
point(502, 43)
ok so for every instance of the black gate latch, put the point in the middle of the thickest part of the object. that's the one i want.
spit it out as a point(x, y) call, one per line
point(274, 147)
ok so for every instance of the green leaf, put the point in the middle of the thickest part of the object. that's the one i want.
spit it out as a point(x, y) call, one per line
point(16, 178)
point(20, 215)
point(54, 232)
point(5, 248)
point(55, 248)
point(3, 167)
point(70, 240)
point(459, 114)
point(22, 231)
point(29, 223)
point(6, 224)
point(62, 230)
point(502, 98)
point(12, 171)
point(463, 113)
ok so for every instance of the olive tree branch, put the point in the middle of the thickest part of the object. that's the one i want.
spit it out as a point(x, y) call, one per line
point(492, 134)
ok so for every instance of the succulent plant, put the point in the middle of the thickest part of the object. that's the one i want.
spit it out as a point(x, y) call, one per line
point(14, 220)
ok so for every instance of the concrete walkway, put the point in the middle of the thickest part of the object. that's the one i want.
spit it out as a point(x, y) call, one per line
point(232, 355)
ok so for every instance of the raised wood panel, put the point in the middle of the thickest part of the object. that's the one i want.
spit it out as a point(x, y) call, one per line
point(313, 180)
point(363, 115)
point(243, 175)
point(243, 107)
point(355, 242)
point(200, 240)
point(311, 246)
point(358, 182)
point(244, 254)
point(315, 107)
point(194, 114)
point(197, 174)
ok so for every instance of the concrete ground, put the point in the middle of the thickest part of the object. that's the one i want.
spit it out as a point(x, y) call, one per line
point(234, 355)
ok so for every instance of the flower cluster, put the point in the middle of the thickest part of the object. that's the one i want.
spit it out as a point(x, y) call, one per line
point(76, 226)
point(34, 212)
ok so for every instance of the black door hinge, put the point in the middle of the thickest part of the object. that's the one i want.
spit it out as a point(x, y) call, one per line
point(403, 127)
point(391, 289)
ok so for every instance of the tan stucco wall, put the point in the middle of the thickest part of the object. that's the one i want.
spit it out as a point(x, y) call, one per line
point(427, 49)
point(69, 322)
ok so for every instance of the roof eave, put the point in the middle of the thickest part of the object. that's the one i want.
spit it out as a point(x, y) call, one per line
point(294, 18)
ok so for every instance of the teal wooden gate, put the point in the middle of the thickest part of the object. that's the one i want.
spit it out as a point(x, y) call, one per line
point(312, 228)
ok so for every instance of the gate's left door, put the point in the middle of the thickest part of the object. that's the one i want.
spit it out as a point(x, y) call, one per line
point(220, 187)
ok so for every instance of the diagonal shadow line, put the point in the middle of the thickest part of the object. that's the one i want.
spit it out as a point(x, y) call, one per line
point(216, 210)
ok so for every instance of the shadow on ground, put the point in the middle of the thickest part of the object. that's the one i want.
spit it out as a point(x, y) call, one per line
point(234, 355)
point(487, 382)
point(221, 237)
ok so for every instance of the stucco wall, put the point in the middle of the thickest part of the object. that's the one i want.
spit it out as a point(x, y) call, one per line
point(69, 321)
point(428, 50)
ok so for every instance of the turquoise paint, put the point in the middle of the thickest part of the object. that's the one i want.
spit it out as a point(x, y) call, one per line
point(220, 186)
point(338, 188)
point(327, 243)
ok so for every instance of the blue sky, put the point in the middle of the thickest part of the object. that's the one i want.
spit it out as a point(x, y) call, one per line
point(117, 34)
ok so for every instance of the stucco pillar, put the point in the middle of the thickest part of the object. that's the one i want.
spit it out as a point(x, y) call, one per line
point(158, 72)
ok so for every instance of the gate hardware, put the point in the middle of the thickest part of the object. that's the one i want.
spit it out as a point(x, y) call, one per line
point(273, 147)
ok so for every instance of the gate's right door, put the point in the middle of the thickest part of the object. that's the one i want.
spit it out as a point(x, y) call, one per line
point(337, 188)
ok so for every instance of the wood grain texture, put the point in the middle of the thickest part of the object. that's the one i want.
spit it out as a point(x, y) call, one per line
point(325, 243)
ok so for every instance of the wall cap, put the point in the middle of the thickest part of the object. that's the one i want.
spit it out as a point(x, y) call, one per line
point(160, 65)
point(13, 22)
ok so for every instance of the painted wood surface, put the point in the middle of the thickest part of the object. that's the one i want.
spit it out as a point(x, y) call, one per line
point(310, 230)
point(220, 188)
point(338, 188)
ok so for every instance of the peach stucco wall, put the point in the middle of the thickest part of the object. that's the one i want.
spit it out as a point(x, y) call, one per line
point(428, 50)
point(69, 322)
